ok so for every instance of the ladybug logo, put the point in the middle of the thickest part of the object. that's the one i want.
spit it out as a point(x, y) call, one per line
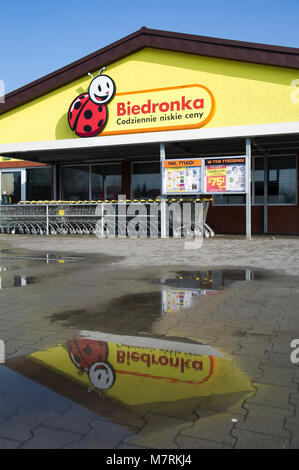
point(88, 113)
point(91, 356)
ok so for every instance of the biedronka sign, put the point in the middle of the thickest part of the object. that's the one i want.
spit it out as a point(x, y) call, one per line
point(102, 111)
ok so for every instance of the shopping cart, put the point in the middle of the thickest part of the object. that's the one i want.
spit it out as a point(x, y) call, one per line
point(137, 217)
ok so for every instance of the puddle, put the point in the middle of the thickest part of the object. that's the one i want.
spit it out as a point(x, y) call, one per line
point(45, 259)
point(143, 354)
point(138, 311)
point(48, 257)
point(180, 292)
point(15, 281)
point(215, 279)
point(137, 374)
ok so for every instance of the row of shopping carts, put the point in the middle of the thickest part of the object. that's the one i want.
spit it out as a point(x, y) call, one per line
point(138, 217)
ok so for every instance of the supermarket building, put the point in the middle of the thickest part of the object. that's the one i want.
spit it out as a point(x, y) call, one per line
point(75, 136)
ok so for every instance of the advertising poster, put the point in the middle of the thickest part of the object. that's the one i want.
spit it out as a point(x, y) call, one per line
point(176, 299)
point(224, 175)
point(182, 176)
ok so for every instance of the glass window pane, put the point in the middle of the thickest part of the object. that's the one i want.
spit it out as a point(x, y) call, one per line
point(146, 179)
point(282, 180)
point(75, 183)
point(38, 184)
point(11, 187)
point(233, 199)
point(259, 180)
point(105, 182)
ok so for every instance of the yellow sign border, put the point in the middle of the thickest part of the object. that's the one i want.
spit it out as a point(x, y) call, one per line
point(167, 128)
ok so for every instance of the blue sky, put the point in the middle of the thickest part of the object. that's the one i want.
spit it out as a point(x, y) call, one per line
point(40, 36)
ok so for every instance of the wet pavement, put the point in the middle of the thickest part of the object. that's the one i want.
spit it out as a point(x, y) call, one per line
point(101, 354)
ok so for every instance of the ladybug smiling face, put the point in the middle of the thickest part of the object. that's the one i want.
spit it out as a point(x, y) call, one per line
point(101, 89)
point(88, 113)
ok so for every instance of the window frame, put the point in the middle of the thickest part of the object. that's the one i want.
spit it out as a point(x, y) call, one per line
point(89, 165)
point(261, 204)
point(132, 173)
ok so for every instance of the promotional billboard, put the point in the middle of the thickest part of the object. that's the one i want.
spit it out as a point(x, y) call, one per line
point(225, 175)
point(182, 176)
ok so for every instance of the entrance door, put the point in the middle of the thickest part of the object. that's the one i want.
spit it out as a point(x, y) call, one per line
point(12, 186)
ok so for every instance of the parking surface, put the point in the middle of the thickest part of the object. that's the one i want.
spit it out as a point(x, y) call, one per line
point(194, 345)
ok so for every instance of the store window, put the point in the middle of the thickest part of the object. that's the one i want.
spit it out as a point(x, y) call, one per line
point(146, 180)
point(105, 181)
point(233, 199)
point(75, 183)
point(281, 183)
point(38, 183)
point(10, 187)
point(258, 179)
point(90, 182)
point(282, 180)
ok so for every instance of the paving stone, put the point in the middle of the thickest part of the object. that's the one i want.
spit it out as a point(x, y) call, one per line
point(227, 344)
point(129, 447)
point(159, 432)
point(185, 442)
point(31, 393)
point(181, 409)
point(282, 343)
point(8, 379)
point(277, 376)
point(102, 435)
point(128, 416)
point(46, 437)
point(262, 329)
point(252, 366)
point(294, 399)
point(254, 440)
point(292, 425)
point(254, 349)
point(20, 426)
point(275, 359)
point(9, 444)
point(75, 419)
point(271, 395)
point(239, 322)
point(195, 332)
point(215, 427)
point(265, 420)
point(231, 403)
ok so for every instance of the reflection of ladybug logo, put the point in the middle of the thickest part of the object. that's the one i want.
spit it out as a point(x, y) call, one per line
point(84, 352)
point(88, 113)
point(91, 357)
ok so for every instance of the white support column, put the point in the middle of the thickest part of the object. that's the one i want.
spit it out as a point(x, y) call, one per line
point(248, 188)
point(163, 204)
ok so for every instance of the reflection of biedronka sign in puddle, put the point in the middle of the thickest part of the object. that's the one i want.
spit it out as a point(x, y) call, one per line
point(138, 370)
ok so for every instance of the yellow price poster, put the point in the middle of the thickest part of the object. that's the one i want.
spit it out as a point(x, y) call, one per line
point(225, 175)
point(182, 176)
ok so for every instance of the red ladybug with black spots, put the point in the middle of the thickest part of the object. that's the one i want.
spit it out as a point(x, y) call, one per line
point(91, 356)
point(88, 113)
point(85, 352)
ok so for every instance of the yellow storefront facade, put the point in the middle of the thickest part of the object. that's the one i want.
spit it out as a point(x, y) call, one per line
point(199, 97)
